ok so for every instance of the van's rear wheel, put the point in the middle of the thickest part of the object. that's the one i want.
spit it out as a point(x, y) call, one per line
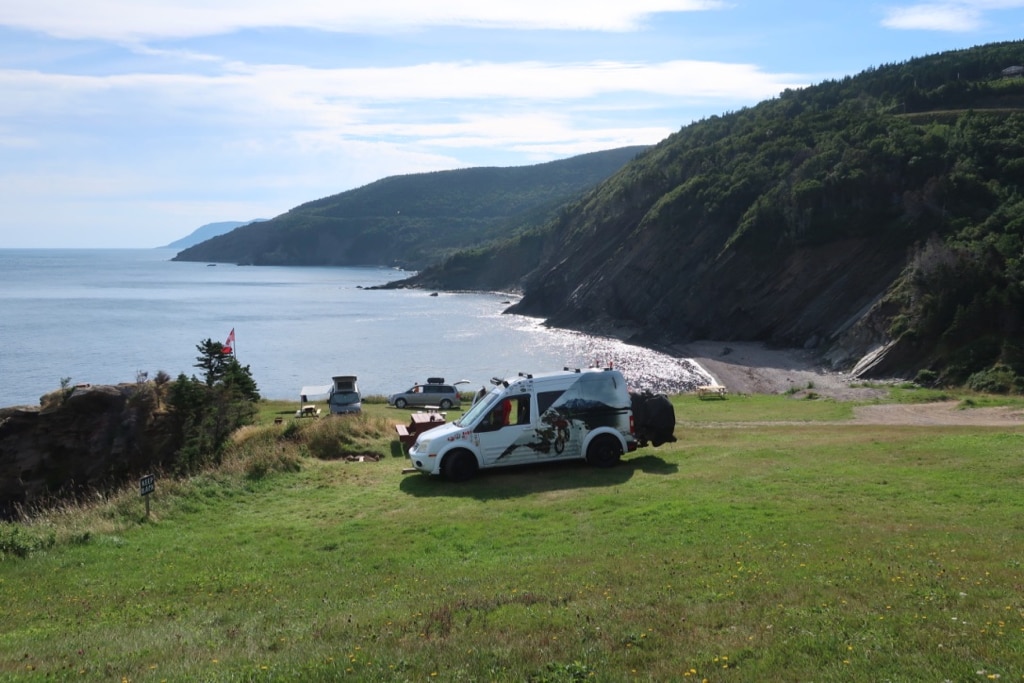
point(459, 466)
point(604, 451)
point(445, 404)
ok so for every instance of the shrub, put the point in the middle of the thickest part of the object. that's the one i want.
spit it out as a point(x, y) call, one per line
point(999, 379)
point(17, 540)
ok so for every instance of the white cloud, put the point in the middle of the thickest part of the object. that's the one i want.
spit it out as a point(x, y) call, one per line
point(943, 17)
point(130, 20)
point(552, 84)
point(336, 96)
point(962, 16)
point(448, 105)
point(557, 132)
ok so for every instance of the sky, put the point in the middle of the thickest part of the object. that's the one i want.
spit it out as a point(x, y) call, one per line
point(130, 123)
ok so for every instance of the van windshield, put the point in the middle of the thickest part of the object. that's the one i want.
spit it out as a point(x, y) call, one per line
point(481, 407)
point(340, 398)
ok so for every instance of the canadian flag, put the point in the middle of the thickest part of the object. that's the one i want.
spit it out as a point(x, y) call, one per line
point(229, 345)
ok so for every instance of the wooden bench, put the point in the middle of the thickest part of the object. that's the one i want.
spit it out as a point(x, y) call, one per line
point(711, 391)
point(405, 438)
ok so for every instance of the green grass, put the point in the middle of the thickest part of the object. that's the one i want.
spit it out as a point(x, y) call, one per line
point(768, 552)
point(759, 408)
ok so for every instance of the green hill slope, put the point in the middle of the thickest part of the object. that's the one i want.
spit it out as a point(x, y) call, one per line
point(876, 219)
point(413, 220)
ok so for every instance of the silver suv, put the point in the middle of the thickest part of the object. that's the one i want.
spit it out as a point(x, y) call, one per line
point(434, 393)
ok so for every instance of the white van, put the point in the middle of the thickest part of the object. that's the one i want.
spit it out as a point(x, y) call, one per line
point(564, 415)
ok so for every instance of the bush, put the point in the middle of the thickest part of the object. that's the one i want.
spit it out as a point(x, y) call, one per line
point(205, 414)
point(926, 378)
point(16, 540)
point(999, 379)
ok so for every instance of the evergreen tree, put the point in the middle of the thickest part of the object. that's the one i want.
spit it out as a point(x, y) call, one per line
point(207, 411)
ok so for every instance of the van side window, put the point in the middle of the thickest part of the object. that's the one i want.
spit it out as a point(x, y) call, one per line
point(545, 399)
point(521, 409)
point(512, 410)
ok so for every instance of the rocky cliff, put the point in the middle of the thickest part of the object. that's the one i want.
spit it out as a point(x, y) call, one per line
point(95, 439)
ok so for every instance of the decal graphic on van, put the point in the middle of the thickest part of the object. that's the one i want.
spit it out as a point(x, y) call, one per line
point(587, 404)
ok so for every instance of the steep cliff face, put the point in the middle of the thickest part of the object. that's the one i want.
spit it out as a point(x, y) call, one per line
point(811, 221)
point(676, 281)
point(645, 252)
point(99, 438)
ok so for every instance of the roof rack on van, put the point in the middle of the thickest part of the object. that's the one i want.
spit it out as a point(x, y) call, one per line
point(497, 380)
point(527, 375)
point(435, 380)
point(568, 369)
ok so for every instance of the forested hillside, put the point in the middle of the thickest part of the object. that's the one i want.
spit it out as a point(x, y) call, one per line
point(878, 219)
point(413, 220)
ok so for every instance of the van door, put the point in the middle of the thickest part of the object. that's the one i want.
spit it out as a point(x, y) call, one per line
point(561, 437)
point(506, 434)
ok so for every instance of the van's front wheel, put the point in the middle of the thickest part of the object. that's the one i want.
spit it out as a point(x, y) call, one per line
point(459, 466)
point(604, 451)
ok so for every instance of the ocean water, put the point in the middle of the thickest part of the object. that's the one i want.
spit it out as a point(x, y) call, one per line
point(104, 316)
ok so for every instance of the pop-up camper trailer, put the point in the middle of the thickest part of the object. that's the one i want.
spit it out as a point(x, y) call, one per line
point(345, 396)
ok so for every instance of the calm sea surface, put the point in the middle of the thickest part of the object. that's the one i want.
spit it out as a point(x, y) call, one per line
point(101, 316)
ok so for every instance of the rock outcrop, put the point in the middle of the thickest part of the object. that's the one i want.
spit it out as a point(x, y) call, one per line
point(94, 439)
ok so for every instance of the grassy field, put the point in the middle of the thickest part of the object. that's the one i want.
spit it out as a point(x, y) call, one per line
point(795, 551)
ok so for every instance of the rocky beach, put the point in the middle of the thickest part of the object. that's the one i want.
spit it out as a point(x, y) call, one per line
point(755, 368)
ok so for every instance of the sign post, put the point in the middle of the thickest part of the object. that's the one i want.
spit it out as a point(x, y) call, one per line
point(147, 484)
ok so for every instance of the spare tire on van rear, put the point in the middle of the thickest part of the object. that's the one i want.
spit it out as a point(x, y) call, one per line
point(654, 418)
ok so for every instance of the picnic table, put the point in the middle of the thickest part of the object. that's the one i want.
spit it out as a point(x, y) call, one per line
point(419, 423)
point(711, 391)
